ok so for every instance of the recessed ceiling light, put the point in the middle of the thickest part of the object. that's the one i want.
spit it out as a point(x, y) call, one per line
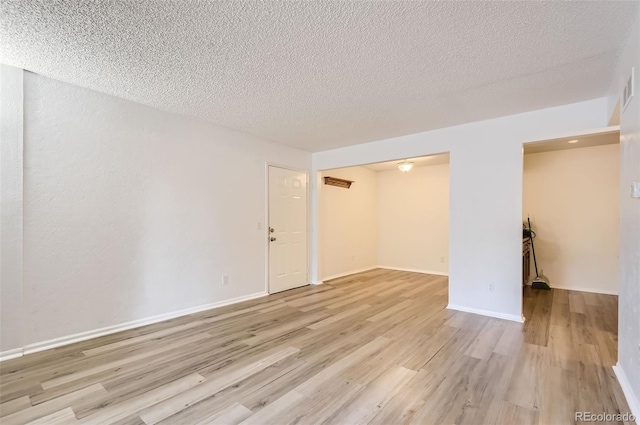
point(574, 141)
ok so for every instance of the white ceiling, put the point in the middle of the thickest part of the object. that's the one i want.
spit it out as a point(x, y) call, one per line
point(417, 162)
point(609, 136)
point(319, 75)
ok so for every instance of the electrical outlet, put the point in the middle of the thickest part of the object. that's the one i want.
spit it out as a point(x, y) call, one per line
point(225, 279)
point(353, 258)
point(442, 259)
point(490, 287)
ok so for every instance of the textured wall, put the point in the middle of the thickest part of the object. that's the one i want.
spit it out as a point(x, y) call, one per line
point(349, 225)
point(131, 212)
point(629, 300)
point(11, 208)
point(413, 219)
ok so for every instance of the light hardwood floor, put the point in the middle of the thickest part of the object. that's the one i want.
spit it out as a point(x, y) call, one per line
point(377, 347)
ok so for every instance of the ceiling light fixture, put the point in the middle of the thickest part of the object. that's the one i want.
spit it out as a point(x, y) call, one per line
point(405, 166)
point(574, 141)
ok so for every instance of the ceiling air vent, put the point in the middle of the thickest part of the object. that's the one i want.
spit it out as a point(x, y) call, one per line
point(627, 93)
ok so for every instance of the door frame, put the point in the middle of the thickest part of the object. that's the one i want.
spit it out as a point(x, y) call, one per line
point(266, 220)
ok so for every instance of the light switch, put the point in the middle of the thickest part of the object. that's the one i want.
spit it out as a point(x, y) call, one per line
point(635, 189)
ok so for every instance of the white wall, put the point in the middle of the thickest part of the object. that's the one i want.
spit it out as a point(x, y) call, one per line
point(386, 219)
point(10, 210)
point(413, 219)
point(131, 212)
point(349, 235)
point(572, 198)
point(485, 229)
point(628, 369)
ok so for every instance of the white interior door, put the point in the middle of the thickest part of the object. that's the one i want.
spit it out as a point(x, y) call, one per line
point(288, 257)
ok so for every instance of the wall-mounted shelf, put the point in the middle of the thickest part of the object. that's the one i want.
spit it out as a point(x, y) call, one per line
point(334, 181)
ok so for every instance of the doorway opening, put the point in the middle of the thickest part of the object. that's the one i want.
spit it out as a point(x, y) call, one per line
point(386, 219)
point(571, 197)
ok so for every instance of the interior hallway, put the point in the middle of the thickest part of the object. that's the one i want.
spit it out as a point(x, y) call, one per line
point(376, 347)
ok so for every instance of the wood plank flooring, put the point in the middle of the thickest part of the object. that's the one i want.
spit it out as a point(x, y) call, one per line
point(378, 347)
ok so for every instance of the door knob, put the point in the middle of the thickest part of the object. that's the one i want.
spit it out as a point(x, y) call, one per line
point(271, 230)
point(272, 239)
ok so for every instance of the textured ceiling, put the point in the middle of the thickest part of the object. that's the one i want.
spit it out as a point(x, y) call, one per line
point(319, 75)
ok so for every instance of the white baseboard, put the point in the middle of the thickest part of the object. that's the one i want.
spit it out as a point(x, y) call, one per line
point(83, 336)
point(319, 282)
point(10, 354)
point(594, 291)
point(402, 269)
point(512, 317)
point(632, 398)
point(336, 276)
point(339, 275)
